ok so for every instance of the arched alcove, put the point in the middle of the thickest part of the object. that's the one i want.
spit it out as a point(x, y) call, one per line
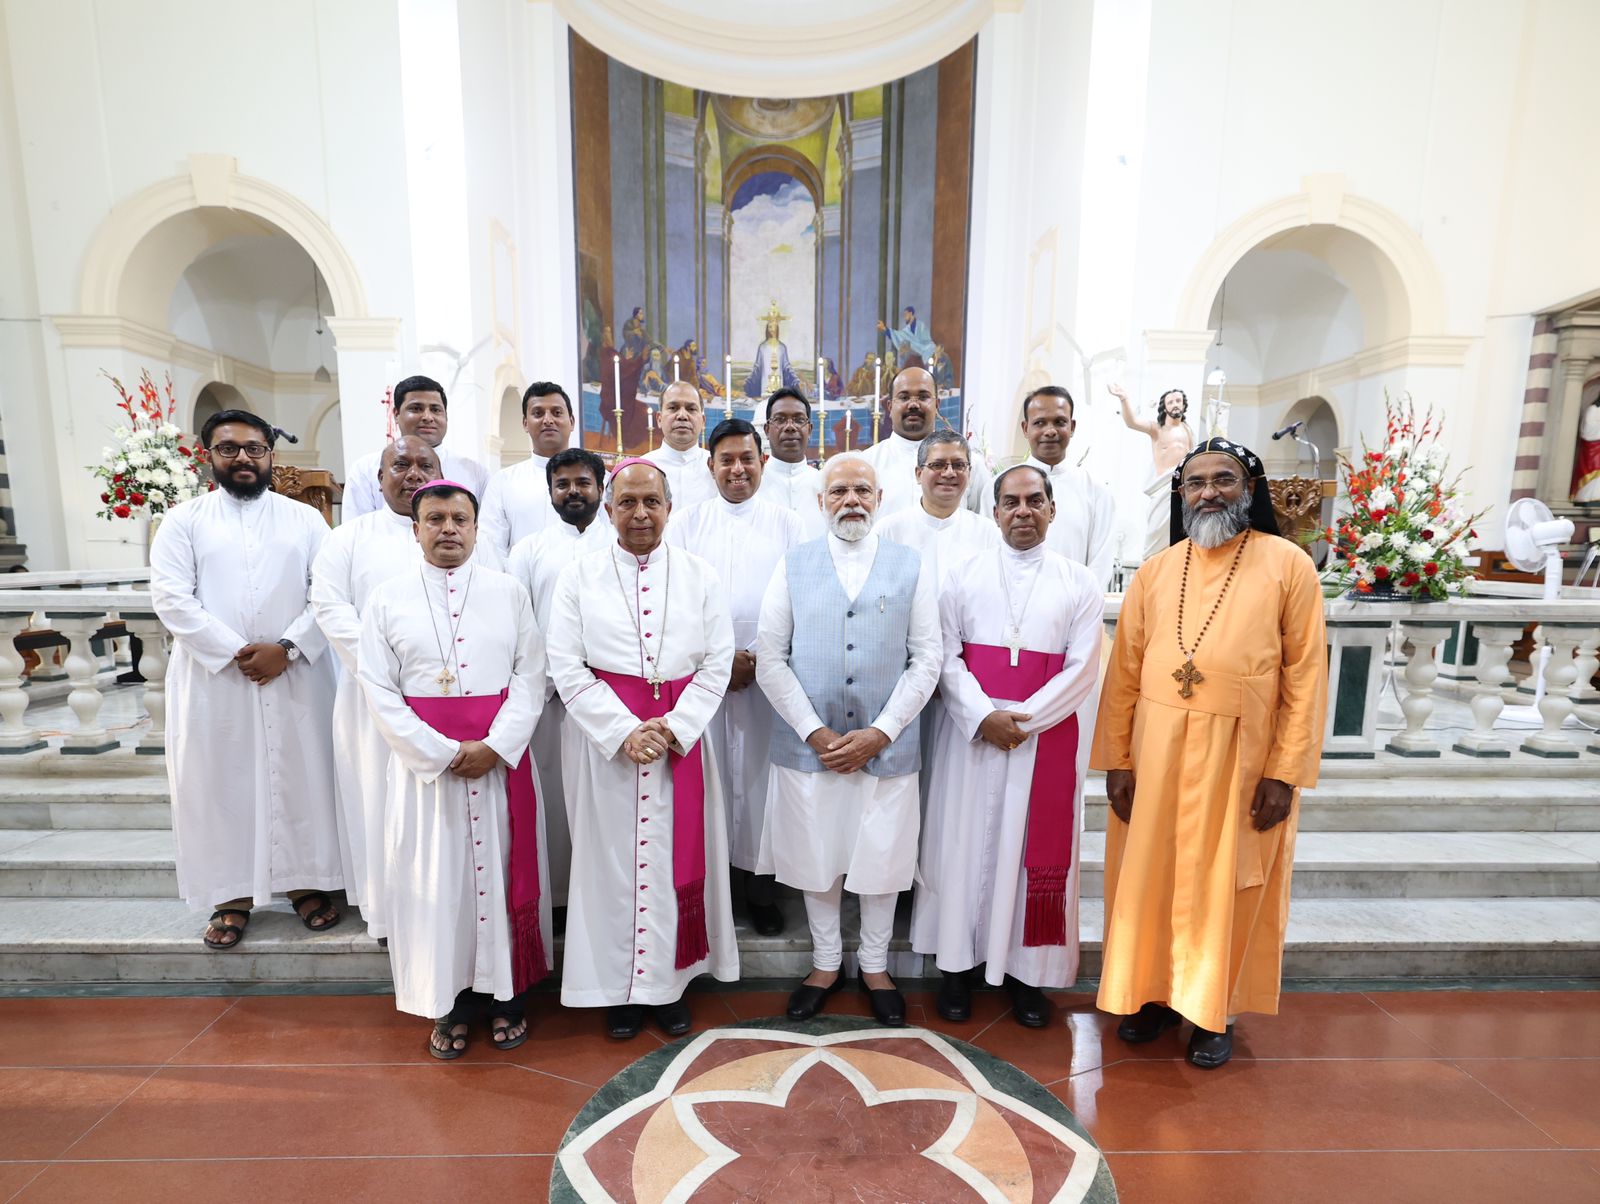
point(214, 397)
point(1287, 456)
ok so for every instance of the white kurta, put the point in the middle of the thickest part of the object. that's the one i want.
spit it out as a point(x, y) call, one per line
point(797, 488)
point(250, 767)
point(895, 458)
point(362, 495)
point(622, 915)
point(447, 839)
point(355, 558)
point(971, 899)
point(537, 561)
point(822, 825)
point(943, 543)
point(516, 504)
point(689, 474)
point(1086, 519)
point(745, 544)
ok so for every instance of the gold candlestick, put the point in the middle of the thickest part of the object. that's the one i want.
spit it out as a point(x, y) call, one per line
point(822, 413)
point(616, 387)
point(877, 392)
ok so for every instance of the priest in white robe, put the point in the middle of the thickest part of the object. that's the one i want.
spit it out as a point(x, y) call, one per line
point(421, 409)
point(744, 539)
point(1084, 527)
point(355, 558)
point(847, 652)
point(576, 477)
point(454, 672)
point(787, 480)
point(939, 526)
point(516, 502)
point(999, 874)
point(680, 456)
point(914, 415)
point(249, 692)
point(641, 649)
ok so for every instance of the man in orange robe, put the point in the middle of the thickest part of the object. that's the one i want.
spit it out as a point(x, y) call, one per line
point(1210, 723)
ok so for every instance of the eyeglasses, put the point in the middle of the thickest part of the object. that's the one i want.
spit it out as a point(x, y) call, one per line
point(1223, 482)
point(839, 492)
point(230, 451)
point(943, 466)
point(788, 420)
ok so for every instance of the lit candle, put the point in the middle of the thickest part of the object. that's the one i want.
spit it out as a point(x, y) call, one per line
point(616, 388)
point(727, 386)
point(877, 382)
point(674, 368)
point(822, 410)
point(847, 414)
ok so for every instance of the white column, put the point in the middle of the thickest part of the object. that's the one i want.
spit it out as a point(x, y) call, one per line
point(1417, 706)
point(1560, 671)
point(91, 737)
point(368, 351)
point(153, 666)
point(1494, 654)
point(16, 737)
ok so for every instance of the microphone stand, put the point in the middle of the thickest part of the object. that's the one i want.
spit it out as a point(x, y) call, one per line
point(1316, 456)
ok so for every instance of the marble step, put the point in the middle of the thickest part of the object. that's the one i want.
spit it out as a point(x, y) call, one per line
point(81, 863)
point(136, 799)
point(156, 941)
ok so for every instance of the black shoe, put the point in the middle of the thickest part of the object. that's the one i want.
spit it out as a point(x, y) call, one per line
point(1208, 1050)
point(955, 997)
point(766, 919)
point(888, 1007)
point(624, 1022)
point(1028, 1004)
point(805, 1002)
point(1148, 1023)
point(674, 1018)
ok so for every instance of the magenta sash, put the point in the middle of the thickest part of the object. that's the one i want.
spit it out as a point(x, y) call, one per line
point(458, 718)
point(1051, 818)
point(688, 811)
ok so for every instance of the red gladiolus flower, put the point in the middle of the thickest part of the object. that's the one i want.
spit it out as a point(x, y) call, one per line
point(1430, 568)
point(1381, 572)
point(122, 511)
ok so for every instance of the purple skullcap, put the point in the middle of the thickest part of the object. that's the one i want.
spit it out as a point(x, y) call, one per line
point(441, 481)
point(630, 461)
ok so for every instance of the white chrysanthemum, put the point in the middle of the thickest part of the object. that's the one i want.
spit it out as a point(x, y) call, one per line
point(1399, 542)
point(1372, 541)
point(1383, 498)
point(1423, 551)
point(169, 431)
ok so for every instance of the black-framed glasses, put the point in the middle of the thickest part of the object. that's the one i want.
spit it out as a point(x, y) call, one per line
point(230, 451)
point(943, 466)
point(1223, 482)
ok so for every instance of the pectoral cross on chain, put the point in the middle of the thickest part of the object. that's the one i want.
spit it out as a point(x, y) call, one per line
point(1188, 677)
point(1014, 642)
point(446, 679)
point(655, 680)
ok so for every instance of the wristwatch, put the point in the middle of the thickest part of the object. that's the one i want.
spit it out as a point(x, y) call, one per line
point(288, 646)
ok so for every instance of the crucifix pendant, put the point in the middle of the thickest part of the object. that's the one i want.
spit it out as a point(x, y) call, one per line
point(655, 683)
point(1187, 677)
point(1014, 642)
point(446, 679)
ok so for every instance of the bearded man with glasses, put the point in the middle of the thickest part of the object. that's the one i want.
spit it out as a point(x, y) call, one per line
point(249, 692)
point(1211, 720)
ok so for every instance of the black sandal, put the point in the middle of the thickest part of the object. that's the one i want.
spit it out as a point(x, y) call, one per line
point(323, 907)
point(442, 1028)
point(222, 913)
point(504, 1043)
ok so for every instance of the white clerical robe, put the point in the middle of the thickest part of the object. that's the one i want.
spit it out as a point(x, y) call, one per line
point(616, 613)
point(797, 488)
point(943, 543)
point(1084, 527)
point(537, 561)
point(362, 495)
point(447, 839)
point(688, 473)
point(895, 458)
point(516, 504)
point(822, 825)
point(355, 558)
point(250, 767)
point(745, 543)
point(972, 893)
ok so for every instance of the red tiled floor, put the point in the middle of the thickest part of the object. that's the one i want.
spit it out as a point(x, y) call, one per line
point(349, 1180)
point(100, 1032)
point(42, 1112)
point(1460, 1176)
point(1500, 1024)
point(1299, 1105)
point(14, 1175)
point(1562, 1097)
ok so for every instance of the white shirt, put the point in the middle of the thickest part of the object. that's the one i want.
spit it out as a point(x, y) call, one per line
point(362, 494)
point(797, 488)
point(688, 473)
point(745, 543)
point(516, 504)
point(1085, 521)
point(895, 458)
point(943, 542)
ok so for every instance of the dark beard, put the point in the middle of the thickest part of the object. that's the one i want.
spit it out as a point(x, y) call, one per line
point(1213, 529)
point(245, 493)
point(578, 517)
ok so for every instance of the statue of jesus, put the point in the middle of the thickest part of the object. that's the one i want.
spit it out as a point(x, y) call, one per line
point(1170, 441)
point(771, 370)
point(1586, 461)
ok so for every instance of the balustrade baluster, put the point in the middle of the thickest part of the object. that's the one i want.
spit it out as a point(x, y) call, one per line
point(1494, 654)
point(1421, 671)
point(91, 737)
point(1560, 671)
point(16, 737)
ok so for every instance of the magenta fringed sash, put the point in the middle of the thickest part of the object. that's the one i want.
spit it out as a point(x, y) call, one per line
point(688, 811)
point(1051, 818)
point(470, 719)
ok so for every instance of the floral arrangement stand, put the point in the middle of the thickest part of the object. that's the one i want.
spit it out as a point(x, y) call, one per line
point(151, 466)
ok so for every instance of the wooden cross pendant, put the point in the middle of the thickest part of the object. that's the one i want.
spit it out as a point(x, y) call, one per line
point(1188, 677)
point(1014, 642)
point(655, 683)
point(446, 679)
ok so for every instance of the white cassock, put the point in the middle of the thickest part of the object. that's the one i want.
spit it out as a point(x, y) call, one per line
point(822, 825)
point(537, 561)
point(688, 473)
point(971, 897)
point(611, 611)
point(1085, 524)
point(362, 495)
point(895, 458)
point(515, 505)
point(447, 839)
point(355, 558)
point(250, 767)
point(745, 544)
point(797, 488)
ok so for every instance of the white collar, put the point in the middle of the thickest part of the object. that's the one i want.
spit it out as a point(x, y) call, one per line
point(1009, 556)
point(934, 521)
point(740, 510)
point(671, 455)
point(628, 559)
point(785, 469)
point(865, 546)
point(434, 575)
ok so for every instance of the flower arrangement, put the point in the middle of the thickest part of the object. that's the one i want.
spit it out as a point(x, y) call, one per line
point(1406, 532)
point(149, 468)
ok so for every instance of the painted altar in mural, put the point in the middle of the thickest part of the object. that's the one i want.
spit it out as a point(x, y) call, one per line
point(745, 243)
